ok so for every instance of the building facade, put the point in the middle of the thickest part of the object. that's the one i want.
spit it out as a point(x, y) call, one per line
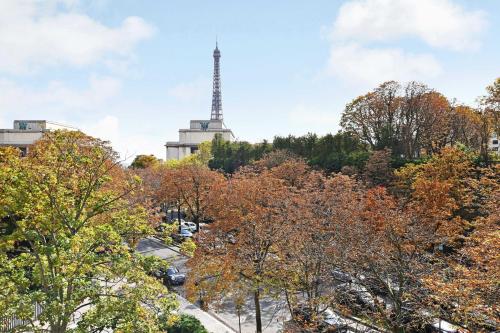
point(493, 144)
point(202, 130)
point(25, 132)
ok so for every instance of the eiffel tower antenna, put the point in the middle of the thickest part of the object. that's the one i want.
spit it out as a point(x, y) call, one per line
point(216, 91)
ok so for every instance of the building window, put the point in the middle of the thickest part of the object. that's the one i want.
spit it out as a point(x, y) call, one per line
point(194, 150)
point(495, 142)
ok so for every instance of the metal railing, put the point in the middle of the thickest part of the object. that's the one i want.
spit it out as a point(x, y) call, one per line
point(9, 323)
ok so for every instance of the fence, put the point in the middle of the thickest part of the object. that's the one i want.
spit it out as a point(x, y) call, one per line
point(7, 324)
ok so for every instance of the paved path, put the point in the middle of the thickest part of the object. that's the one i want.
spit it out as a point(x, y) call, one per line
point(212, 324)
point(274, 313)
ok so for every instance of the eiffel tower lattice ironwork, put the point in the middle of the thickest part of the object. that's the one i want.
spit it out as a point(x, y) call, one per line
point(216, 92)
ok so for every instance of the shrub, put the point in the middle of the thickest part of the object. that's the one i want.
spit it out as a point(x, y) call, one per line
point(188, 247)
point(187, 324)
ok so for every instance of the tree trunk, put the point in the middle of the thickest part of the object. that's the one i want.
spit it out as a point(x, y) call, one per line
point(258, 319)
point(179, 217)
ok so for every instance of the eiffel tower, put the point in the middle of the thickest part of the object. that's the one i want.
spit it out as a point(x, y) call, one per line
point(200, 131)
point(216, 91)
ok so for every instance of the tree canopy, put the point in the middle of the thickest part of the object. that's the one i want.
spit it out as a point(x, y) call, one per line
point(73, 220)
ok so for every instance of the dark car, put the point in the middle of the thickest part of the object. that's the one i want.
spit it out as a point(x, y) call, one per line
point(173, 277)
point(159, 273)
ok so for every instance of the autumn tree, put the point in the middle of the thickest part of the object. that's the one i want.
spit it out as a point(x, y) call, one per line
point(191, 187)
point(412, 121)
point(374, 117)
point(384, 266)
point(467, 283)
point(316, 245)
point(251, 219)
point(441, 192)
point(70, 245)
point(465, 126)
point(491, 103)
point(378, 169)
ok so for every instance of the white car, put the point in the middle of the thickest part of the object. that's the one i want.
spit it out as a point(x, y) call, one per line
point(191, 226)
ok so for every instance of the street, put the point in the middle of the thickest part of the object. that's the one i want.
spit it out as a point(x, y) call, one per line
point(225, 316)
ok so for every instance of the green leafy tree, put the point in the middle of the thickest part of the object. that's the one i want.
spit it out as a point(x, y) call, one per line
point(70, 248)
point(229, 156)
point(144, 162)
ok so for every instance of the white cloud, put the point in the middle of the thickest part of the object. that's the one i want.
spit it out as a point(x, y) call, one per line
point(128, 146)
point(95, 109)
point(439, 23)
point(191, 90)
point(57, 97)
point(356, 64)
point(357, 54)
point(107, 128)
point(34, 34)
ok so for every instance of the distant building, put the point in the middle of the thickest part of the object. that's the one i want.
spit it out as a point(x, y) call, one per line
point(202, 130)
point(26, 132)
point(493, 144)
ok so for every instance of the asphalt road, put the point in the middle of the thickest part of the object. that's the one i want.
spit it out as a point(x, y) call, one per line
point(154, 247)
point(274, 312)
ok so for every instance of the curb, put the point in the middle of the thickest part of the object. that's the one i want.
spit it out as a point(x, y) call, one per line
point(157, 239)
point(217, 317)
point(211, 314)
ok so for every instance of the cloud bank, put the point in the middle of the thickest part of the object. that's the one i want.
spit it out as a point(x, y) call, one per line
point(364, 32)
point(36, 34)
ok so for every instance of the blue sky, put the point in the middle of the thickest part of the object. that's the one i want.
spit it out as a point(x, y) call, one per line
point(134, 72)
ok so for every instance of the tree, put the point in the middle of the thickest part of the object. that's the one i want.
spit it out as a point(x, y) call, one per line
point(144, 162)
point(440, 192)
point(186, 324)
point(251, 215)
point(491, 102)
point(378, 170)
point(375, 117)
point(315, 246)
point(413, 121)
point(191, 187)
point(467, 283)
point(329, 152)
point(229, 156)
point(465, 124)
point(71, 245)
point(384, 266)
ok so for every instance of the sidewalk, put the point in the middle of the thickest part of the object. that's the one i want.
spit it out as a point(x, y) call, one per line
point(212, 324)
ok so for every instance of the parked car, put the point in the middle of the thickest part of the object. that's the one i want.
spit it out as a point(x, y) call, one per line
point(191, 226)
point(335, 323)
point(173, 277)
point(159, 273)
point(353, 293)
point(341, 276)
point(183, 235)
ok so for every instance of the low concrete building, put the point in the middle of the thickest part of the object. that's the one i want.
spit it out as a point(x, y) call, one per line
point(199, 131)
point(26, 132)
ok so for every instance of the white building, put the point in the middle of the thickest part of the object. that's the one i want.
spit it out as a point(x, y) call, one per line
point(199, 131)
point(202, 130)
point(493, 144)
point(26, 132)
